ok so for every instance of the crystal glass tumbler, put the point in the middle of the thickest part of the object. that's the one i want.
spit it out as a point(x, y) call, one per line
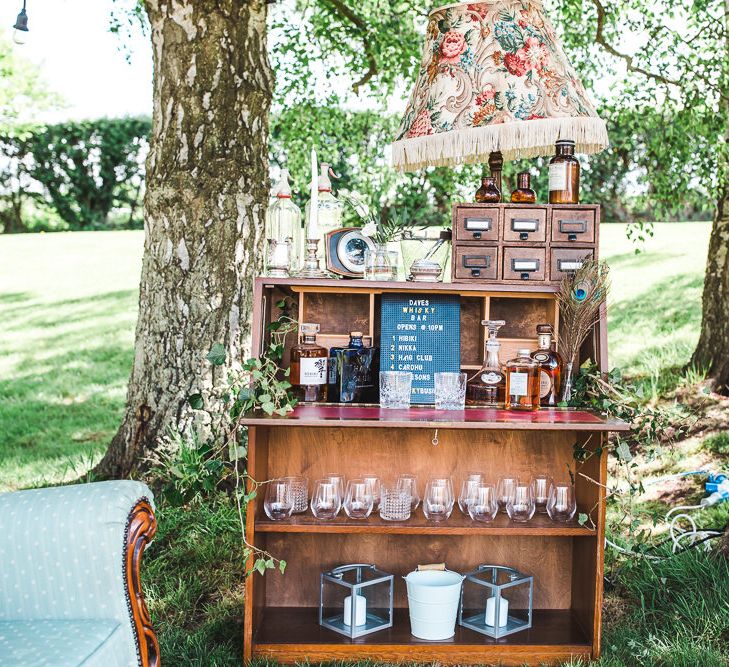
point(279, 501)
point(326, 499)
point(450, 391)
point(520, 507)
point(562, 504)
point(300, 491)
point(395, 504)
point(438, 499)
point(395, 389)
point(482, 505)
point(541, 486)
point(358, 501)
point(409, 483)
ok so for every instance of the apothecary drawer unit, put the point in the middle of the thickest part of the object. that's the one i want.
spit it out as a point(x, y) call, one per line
point(281, 619)
point(532, 244)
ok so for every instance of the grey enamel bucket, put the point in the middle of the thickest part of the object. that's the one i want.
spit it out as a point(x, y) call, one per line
point(433, 598)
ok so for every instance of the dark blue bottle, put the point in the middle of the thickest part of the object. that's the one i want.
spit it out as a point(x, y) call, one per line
point(353, 379)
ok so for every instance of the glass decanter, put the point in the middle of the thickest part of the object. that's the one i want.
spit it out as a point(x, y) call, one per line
point(488, 385)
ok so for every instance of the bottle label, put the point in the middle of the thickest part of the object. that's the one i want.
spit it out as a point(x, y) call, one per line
point(313, 371)
point(541, 357)
point(490, 378)
point(557, 176)
point(333, 370)
point(518, 384)
point(545, 384)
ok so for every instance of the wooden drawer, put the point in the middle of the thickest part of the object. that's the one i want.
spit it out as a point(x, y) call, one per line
point(476, 262)
point(566, 260)
point(524, 264)
point(525, 224)
point(478, 223)
point(573, 225)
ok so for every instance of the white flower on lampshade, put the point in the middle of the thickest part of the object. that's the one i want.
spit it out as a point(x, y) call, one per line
point(370, 229)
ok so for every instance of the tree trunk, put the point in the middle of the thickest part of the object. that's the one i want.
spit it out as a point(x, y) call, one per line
point(204, 207)
point(712, 352)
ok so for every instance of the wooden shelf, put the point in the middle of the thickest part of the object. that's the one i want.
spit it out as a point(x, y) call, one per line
point(458, 524)
point(336, 285)
point(350, 416)
point(290, 634)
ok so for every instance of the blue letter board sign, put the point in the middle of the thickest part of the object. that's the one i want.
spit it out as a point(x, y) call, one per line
point(421, 333)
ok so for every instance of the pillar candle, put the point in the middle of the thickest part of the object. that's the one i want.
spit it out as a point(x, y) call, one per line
point(312, 231)
point(360, 612)
point(491, 611)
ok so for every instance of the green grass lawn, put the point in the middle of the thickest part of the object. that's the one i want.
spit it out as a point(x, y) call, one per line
point(67, 312)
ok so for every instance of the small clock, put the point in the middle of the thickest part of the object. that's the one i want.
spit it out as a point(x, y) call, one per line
point(345, 252)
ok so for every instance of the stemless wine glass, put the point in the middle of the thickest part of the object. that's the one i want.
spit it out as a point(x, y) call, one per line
point(438, 499)
point(326, 499)
point(375, 484)
point(541, 486)
point(562, 504)
point(358, 500)
point(395, 389)
point(279, 501)
point(520, 507)
point(409, 483)
point(450, 391)
point(395, 503)
point(470, 482)
point(483, 505)
point(339, 480)
point(505, 491)
point(300, 491)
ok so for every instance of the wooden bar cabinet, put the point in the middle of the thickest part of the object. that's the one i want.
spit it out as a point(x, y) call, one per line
point(566, 560)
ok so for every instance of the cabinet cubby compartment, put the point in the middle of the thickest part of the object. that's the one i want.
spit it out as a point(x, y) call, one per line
point(280, 616)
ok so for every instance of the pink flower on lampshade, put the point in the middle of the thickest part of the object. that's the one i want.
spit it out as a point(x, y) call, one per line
point(478, 9)
point(486, 95)
point(421, 125)
point(535, 53)
point(515, 63)
point(452, 46)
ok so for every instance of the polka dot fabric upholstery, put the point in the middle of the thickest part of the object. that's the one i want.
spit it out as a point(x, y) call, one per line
point(61, 562)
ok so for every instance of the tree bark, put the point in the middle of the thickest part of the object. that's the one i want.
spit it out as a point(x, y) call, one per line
point(712, 351)
point(204, 208)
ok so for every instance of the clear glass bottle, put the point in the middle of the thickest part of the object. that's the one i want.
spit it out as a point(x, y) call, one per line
point(564, 174)
point(488, 386)
point(283, 231)
point(550, 367)
point(353, 378)
point(522, 382)
point(330, 210)
point(523, 193)
point(309, 366)
point(488, 193)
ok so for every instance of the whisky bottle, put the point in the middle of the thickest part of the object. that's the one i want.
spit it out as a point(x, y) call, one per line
point(523, 193)
point(487, 386)
point(522, 382)
point(564, 174)
point(550, 367)
point(309, 366)
point(354, 372)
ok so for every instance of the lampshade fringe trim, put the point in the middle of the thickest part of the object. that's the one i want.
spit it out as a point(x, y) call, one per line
point(523, 139)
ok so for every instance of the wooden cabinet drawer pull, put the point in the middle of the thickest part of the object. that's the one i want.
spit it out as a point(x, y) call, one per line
point(572, 228)
point(566, 265)
point(524, 267)
point(474, 263)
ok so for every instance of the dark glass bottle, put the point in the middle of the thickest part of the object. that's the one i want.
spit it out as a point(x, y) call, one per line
point(488, 385)
point(550, 367)
point(488, 193)
point(309, 363)
point(564, 174)
point(523, 193)
point(354, 377)
point(522, 382)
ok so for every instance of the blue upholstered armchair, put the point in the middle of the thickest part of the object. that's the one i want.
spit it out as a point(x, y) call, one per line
point(69, 576)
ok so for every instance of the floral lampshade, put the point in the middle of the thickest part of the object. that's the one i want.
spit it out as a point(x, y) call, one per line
point(493, 77)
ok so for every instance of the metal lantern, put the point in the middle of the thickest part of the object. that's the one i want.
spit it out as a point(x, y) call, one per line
point(356, 600)
point(496, 601)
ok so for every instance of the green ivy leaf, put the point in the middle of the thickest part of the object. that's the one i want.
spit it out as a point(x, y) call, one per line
point(268, 407)
point(260, 565)
point(216, 356)
point(196, 401)
point(582, 518)
point(282, 566)
point(623, 451)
